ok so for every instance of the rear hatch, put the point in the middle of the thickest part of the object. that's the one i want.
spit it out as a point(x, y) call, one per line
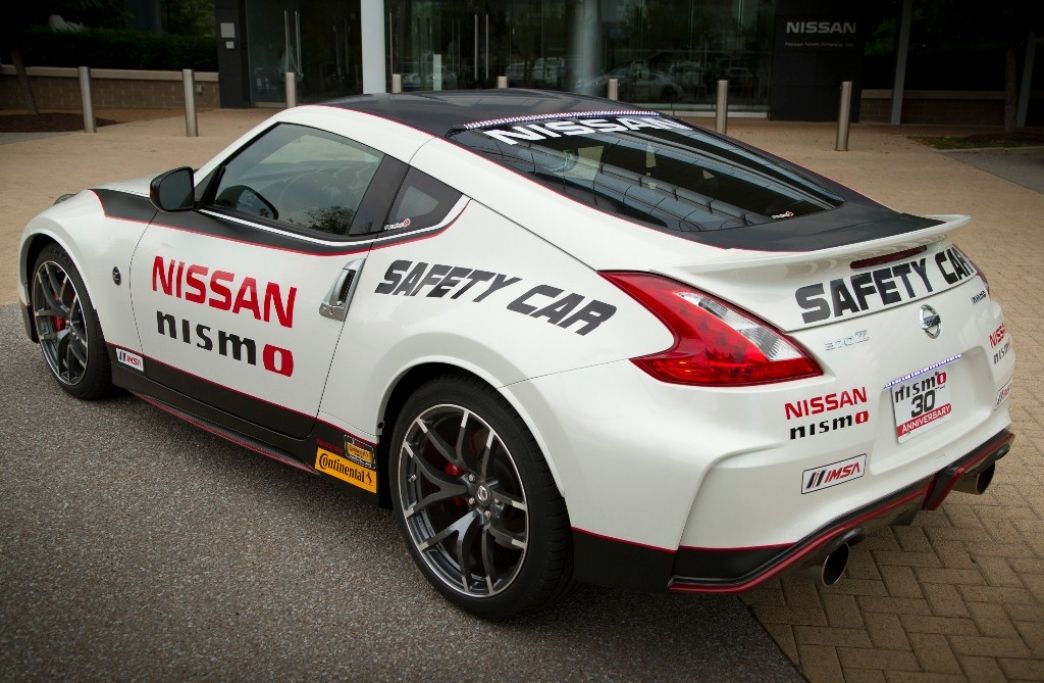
point(897, 317)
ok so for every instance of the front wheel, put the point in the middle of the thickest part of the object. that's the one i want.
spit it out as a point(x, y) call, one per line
point(66, 326)
point(476, 502)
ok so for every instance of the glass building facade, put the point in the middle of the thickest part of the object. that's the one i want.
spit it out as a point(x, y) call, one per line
point(663, 52)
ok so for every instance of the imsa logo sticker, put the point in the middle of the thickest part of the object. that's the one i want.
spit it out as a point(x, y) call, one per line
point(338, 466)
point(825, 476)
point(131, 360)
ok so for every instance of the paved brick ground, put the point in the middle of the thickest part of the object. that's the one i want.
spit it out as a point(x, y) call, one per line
point(959, 595)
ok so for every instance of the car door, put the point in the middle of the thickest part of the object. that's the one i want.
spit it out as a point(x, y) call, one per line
point(240, 302)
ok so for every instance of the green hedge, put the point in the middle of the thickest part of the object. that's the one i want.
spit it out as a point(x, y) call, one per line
point(118, 49)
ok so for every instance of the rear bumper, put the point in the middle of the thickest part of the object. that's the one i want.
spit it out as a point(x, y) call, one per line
point(607, 561)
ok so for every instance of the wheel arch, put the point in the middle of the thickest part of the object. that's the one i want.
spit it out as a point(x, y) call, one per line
point(36, 242)
point(31, 248)
point(415, 377)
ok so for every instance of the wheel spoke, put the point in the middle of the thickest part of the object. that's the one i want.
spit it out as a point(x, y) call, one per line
point(465, 541)
point(458, 448)
point(509, 500)
point(506, 538)
point(53, 305)
point(488, 566)
point(440, 445)
point(78, 349)
point(484, 458)
point(439, 479)
point(446, 493)
point(460, 526)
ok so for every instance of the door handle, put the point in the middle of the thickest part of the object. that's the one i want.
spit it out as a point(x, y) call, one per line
point(335, 304)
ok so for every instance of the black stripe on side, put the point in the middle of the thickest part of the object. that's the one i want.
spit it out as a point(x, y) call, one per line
point(274, 237)
point(240, 431)
point(125, 206)
point(177, 395)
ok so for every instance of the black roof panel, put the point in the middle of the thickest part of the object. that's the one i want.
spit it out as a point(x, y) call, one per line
point(440, 112)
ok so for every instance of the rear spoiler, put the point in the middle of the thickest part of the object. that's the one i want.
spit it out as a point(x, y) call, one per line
point(740, 259)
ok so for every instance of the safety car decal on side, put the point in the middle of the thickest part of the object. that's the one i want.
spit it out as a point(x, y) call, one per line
point(555, 305)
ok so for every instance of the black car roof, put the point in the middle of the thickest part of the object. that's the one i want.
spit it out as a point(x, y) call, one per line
point(443, 111)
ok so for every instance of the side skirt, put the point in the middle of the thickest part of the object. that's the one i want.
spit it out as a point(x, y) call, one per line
point(297, 453)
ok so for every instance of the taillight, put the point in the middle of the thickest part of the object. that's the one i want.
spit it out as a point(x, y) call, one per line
point(715, 344)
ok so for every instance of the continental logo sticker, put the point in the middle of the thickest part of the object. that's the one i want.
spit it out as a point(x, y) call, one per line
point(360, 453)
point(345, 470)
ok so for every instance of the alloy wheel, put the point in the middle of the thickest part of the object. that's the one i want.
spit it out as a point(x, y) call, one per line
point(60, 323)
point(463, 501)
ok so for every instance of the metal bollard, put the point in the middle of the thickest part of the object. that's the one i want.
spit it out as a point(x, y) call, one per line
point(721, 108)
point(613, 89)
point(291, 89)
point(844, 113)
point(396, 83)
point(189, 82)
point(85, 100)
point(502, 81)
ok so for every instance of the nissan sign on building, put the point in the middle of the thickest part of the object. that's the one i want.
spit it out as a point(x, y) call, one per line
point(818, 44)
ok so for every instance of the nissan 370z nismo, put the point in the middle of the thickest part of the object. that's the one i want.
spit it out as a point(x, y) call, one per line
point(560, 339)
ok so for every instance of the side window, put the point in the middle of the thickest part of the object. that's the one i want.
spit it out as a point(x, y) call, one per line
point(299, 176)
point(421, 202)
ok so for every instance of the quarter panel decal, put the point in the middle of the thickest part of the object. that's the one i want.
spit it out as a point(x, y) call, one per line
point(567, 310)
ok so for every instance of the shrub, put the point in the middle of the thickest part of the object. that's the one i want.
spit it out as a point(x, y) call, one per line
point(118, 49)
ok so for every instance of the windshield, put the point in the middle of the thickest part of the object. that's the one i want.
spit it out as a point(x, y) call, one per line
point(651, 169)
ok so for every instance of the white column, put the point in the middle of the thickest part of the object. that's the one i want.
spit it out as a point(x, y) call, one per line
point(371, 25)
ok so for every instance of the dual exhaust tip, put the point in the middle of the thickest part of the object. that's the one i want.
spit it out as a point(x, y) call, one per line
point(832, 568)
point(835, 562)
point(976, 482)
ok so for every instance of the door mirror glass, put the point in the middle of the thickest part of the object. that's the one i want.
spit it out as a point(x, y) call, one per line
point(173, 190)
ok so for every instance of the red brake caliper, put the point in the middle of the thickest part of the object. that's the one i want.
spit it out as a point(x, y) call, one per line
point(454, 471)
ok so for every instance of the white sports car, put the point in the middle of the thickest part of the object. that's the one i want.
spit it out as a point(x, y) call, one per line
point(560, 339)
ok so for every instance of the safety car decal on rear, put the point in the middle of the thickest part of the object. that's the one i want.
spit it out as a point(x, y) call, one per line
point(558, 307)
point(895, 284)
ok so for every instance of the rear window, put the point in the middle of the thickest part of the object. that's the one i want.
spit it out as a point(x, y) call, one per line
point(651, 169)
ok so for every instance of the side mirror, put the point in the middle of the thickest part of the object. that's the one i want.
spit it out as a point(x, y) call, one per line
point(173, 190)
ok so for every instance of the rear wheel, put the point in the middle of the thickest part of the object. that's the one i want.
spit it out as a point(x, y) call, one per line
point(67, 327)
point(475, 501)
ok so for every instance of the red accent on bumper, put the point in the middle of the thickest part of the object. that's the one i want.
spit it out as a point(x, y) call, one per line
point(941, 488)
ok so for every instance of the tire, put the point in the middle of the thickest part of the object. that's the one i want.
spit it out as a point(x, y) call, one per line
point(475, 501)
point(67, 327)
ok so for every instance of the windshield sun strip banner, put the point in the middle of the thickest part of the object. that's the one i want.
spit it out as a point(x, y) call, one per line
point(561, 115)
